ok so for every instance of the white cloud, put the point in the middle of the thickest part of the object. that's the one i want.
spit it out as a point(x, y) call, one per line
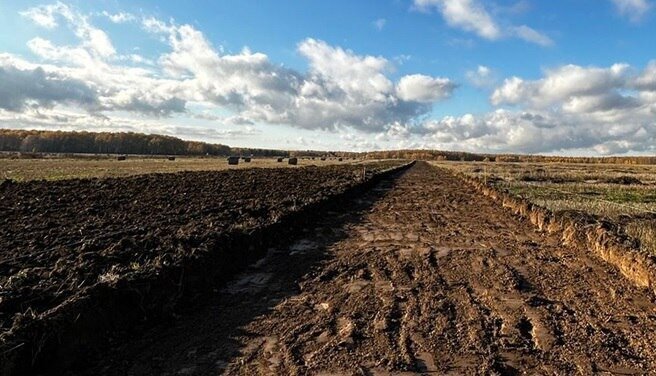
point(120, 17)
point(95, 40)
point(647, 80)
point(562, 85)
point(46, 15)
point(530, 35)
point(43, 118)
point(503, 131)
point(634, 10)
point(379, 24)
point(22, 88)
point(604, 110)
point(468, 15)
point(341, 89)
point(482, 77)
point(425, 89)
point(472, 16)
point(90, 85)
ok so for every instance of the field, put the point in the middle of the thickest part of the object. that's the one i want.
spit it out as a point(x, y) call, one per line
point(396, 269)
point(95, 167)
point(625, 194)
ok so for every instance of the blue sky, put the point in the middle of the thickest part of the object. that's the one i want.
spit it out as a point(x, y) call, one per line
point(572, 77)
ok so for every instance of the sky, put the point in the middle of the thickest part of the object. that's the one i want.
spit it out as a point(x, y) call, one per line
point(567, 77)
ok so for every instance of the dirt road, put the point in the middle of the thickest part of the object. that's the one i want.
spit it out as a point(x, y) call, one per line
point(419, 276)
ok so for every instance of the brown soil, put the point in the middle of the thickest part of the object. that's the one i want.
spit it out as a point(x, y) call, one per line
point(420, 275)
point(83, 260)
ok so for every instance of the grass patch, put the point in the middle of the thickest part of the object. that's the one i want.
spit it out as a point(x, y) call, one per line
point(611, 191)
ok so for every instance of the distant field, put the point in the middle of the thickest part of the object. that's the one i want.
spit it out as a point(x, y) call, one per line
point(625, 194)
point(70, 168)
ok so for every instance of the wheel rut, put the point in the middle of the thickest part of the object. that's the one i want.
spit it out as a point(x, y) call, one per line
point(419, 276)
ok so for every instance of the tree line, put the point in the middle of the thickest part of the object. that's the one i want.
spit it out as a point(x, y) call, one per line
point(32, 141)
point(437, 155)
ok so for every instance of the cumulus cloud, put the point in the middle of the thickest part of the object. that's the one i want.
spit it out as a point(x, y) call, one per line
point(607, 110)
point(647, 80)
point(562, 85)
point(44, 118)
point(95, 40)
point(90, 85)
point(537, 132)
point(340, 89)
point(634, 10)
point(425, 89)
point(472, 16)
point(36, 88)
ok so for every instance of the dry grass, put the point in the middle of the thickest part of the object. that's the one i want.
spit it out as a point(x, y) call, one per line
point(622, 193)
point(66, 168)
point(645, 231)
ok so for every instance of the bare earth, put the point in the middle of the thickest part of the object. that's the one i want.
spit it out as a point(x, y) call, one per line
point(419, 276)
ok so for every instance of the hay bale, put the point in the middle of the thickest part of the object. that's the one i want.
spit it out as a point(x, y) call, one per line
point(171, 158)
point(233, 160)
point(293, 161)
point(247, 159)
point(121, 157)
point(280, 160)
point(323, 158)
point(340, 159)
point(624, 180)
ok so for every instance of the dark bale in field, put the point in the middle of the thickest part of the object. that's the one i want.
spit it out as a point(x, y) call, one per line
point(544, 178)
point(121, 157)
point(624, 180)
point(171, 158)
point(247, 159)
point(323, 158)
point(233, 160)
point(280, 160)
point(340, 159)
point(293, 161)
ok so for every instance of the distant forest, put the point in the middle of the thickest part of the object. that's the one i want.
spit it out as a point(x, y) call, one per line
point(29, 141)
point(439, 155)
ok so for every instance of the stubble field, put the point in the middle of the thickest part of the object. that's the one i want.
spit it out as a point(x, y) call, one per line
point(56, 168)
point(624, 194)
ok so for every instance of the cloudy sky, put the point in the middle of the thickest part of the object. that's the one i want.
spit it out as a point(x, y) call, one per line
point(573, 77)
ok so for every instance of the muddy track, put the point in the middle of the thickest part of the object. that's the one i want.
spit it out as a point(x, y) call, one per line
point(419, 276)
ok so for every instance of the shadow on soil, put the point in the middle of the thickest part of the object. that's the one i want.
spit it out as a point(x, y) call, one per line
point(209, 333)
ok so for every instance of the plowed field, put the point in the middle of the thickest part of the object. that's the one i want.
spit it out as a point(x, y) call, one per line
point(418, 276)
point(83, 259)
